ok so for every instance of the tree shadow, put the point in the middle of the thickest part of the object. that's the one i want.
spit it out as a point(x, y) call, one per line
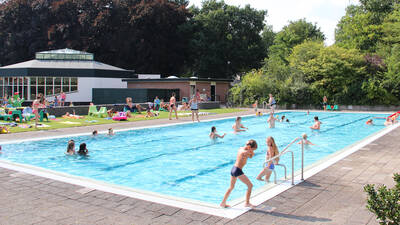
point(295, 217)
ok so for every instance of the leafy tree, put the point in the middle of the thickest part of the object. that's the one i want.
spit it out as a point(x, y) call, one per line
point(226, 39)
point(268, 36)
point(294, 34)
point(384, 202)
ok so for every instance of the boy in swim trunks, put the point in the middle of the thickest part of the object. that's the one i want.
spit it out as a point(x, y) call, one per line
point(243, 154)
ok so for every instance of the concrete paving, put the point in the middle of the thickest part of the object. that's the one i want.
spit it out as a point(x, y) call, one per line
point(333, 196)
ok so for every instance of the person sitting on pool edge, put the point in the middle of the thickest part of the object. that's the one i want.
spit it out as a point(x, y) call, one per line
point(305, 141)
point(83, 150)
point(238, 125)
point(243, 154)
point(70, 148)
point(317, 124)
point(213, 135)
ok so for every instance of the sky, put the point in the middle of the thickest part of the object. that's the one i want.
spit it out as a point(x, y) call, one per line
point(326, 13)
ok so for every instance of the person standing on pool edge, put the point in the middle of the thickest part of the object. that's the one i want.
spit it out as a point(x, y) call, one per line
point(172, 106)
point(243, 154)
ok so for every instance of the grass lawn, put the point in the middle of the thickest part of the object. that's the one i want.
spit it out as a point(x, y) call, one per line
point(89, 120)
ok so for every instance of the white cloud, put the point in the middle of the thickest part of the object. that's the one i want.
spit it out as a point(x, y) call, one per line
point(326, 13)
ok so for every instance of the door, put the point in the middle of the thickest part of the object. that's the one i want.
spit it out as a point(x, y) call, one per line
point(213, 93)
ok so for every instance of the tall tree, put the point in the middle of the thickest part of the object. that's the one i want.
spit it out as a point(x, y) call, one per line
point(226, 39)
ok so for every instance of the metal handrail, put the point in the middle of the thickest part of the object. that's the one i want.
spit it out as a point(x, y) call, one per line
point(264, 105)
point(284, 151)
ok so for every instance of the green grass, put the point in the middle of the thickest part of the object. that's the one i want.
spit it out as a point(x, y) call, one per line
point(60, 122)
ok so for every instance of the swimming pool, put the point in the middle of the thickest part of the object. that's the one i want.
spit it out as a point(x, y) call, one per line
point(181, 161)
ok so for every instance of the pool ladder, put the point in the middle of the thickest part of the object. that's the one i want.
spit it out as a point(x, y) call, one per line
point(284, 151)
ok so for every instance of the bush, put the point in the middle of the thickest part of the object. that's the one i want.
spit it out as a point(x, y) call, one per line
point(385, 202)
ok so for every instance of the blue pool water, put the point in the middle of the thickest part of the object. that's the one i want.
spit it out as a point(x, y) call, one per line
point(181, 161)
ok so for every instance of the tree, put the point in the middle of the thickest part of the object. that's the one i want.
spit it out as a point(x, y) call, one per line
point(268, 36)
point(226, 39)
point(384, 202)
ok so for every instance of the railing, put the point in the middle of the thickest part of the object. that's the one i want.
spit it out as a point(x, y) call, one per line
point(283, 152)
point(264, 105)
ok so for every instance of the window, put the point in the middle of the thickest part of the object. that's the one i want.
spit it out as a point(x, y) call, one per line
point(57, 81)
point(33, 92)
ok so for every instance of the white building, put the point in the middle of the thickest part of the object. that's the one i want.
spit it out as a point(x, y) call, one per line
point(73, 72)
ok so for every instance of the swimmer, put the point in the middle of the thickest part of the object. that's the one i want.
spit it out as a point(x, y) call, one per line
point(282, 119)
point(271, 152)
point(271, 120)
point(243, 154)
point(70, 148)
point(83, 150)
point(94, 133)
point(272, 103)
point(259, 113)
point(238, 125)
point(369, 122)
point(110, 131)
point(305, 141)
point(388, 122)
point(317, 124)
point(213, 135)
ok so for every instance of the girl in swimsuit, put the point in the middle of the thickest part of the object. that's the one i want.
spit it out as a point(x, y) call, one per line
point(272, 103)
point(70, 148)
point(194, 106)
point(325, 102)
point(35, 109)
point(172, 106)
point(271, 152)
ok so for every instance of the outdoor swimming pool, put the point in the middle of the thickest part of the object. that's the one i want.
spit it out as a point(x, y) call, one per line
point(181, 161)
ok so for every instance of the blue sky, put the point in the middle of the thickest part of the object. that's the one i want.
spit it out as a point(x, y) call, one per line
point(326, 13)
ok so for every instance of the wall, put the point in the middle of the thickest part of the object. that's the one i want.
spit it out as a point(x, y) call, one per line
point(183, 86)
point(221, 90)
point(86, 84)
point(119, 95)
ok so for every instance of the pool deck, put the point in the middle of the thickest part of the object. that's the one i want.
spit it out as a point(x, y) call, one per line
point(333, 196)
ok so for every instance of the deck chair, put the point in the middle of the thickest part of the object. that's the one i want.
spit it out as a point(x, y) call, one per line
point(4, 115)
point(16, 114)
point(102, 112)
point(92, 111)
point(336, 107)
point(328, 107)
point(43, 115)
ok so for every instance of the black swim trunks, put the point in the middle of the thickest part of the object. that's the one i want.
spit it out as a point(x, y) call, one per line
point(235, 172)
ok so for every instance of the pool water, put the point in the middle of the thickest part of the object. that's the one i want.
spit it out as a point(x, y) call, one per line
point(181, 161)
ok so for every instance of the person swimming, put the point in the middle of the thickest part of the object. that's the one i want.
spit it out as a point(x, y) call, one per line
point(271, 120)
point(70, 148)
point(94, 133)
point(110, 131)
point(317, 124)
point(237, 127)
point(369, 122)
point(213, 135)
point(83, 150)
point(305, 141)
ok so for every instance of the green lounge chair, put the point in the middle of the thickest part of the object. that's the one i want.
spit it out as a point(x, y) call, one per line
point(336, 107)
point(17, 114)
point(92, 111)
point(4, 115)
point(43, 115)
point(102, 112)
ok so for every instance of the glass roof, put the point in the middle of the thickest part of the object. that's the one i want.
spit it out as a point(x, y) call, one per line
point(64, 54)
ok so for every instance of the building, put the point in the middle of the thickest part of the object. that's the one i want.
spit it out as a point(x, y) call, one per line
point(73, 72)
point(210, 89)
